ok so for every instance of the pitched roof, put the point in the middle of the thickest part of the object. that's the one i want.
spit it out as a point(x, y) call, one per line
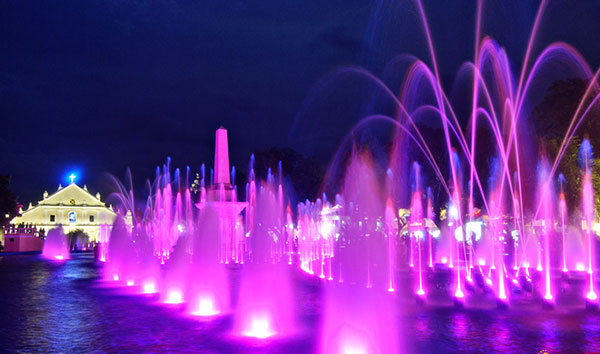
point(70, 193)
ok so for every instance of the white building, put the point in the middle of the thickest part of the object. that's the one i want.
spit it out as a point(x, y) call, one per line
point(73, 207)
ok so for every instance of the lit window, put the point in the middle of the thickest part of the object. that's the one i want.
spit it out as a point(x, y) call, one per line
point(91, 218)
point(52, 218)
point(72, 217)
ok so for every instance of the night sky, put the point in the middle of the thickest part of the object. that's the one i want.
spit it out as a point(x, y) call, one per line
point(97, 86)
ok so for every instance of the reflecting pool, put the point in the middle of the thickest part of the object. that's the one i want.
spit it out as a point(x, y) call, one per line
point(63, 307)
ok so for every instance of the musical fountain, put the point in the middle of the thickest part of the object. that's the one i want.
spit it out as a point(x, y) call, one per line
point(499, 236)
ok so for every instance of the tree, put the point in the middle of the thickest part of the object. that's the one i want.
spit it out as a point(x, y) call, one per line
point(9, 205)
point(552, 118)
point(569, 168)
point(76, 237)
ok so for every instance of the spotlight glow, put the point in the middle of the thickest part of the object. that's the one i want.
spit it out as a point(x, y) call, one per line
point(174, 297)
point(259, 328)
point(326, 229)
point(352, 343)
point(354, 350)
point(149, 288)
point(206, 308)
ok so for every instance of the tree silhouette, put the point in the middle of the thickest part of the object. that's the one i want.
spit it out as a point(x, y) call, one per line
point(9, 205)
point(551, 119)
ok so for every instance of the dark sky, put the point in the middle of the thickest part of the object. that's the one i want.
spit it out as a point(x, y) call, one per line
point(97, 86)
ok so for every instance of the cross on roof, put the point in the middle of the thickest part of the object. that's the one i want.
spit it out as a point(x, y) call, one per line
point(72, 177)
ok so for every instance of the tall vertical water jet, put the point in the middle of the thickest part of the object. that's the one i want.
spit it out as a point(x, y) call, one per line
point(250, 200)
point(390, 232)
point(358, 318)
point(456, 236)
point(266, 305)
point(121, 266)
point(562, 205)
point(289, 233)
point(455, 224)
point(546, 225)
point(147, 274)
point(496, 229)
point(417, 222)
point(430, 216)
point(207, 291)
point(517, 229)
point(585, 156)
point(102, 246)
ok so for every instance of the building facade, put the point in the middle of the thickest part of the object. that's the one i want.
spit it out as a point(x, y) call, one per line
point(73, 207)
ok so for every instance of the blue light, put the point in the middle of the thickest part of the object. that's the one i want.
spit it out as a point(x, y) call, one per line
point(72, 175)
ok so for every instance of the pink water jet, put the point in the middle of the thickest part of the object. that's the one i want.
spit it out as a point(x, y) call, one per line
point(266, 305)
point(547, 226)
point(417, 223)
point(207, 282)
point(588, 210)
point(358, 321)
point(55, 246)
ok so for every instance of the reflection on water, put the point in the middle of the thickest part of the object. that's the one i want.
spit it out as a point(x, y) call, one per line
point(60, 307)
point(468, 331)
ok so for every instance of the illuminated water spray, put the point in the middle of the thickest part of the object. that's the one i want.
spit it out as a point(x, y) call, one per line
point(546, 224)
point(429, 230)
point(417, 222)
point(390, 232)
point(455, 221)
point(585, 156)
point(562, 205)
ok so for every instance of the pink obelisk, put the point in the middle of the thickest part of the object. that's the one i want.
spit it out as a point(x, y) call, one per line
point(221, 158)
point(221, 197)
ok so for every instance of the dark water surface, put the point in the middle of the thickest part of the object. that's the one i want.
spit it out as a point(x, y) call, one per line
point(51, 307)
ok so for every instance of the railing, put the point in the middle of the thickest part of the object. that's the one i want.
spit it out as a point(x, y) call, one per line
point(23, 230)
